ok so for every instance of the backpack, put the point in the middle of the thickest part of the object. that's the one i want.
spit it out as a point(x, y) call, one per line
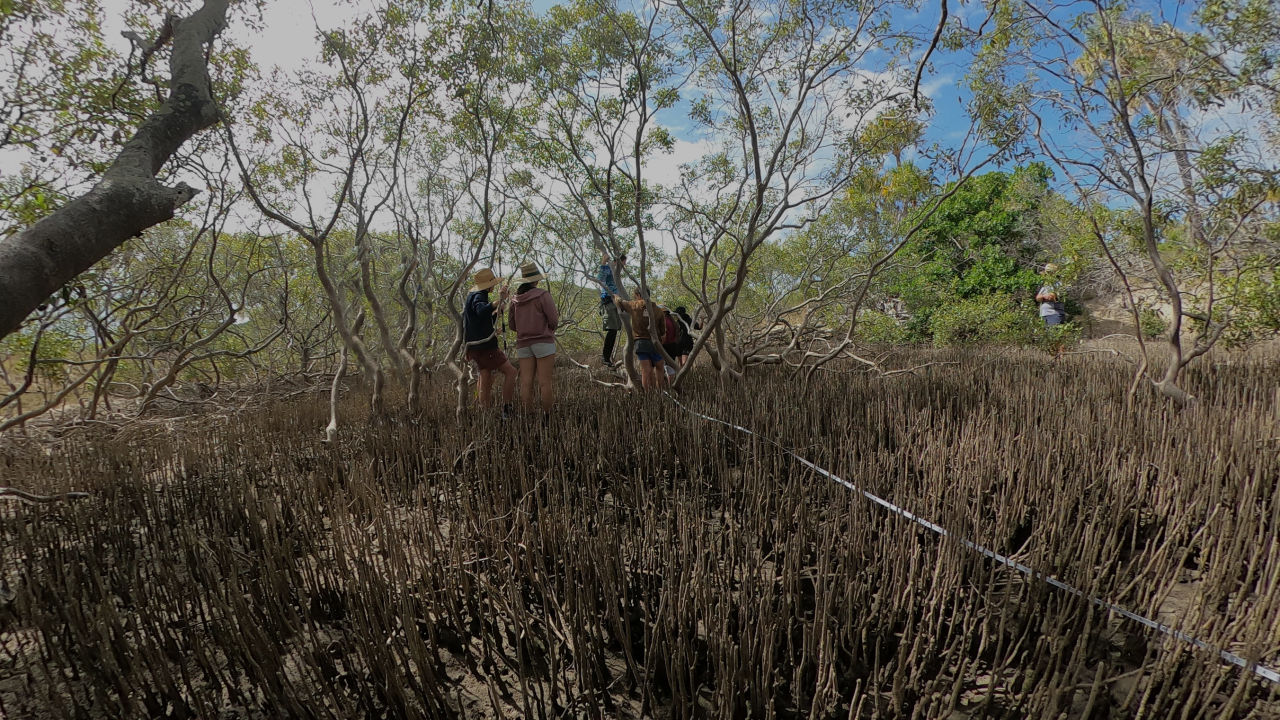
point(670, 335)
point(682, 332)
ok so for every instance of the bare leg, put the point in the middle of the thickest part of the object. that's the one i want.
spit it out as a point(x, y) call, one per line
point(646, 374)
point(527, 369)
point(547, 381)
point(508, 382)
point(484, 395)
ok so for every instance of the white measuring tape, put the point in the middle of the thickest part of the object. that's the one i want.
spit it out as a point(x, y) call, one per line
point(1261, 671)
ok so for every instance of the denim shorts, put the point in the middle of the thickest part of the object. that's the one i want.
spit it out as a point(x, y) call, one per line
point(1054, 319)
point(536, 350)
point(646, 351)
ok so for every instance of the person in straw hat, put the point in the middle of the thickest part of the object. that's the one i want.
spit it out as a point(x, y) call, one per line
point(534, 318)
point(1052, 311)
point(482, 340)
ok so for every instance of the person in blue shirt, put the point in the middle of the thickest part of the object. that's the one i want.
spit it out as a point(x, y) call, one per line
point(482, 340)
point(608, 310)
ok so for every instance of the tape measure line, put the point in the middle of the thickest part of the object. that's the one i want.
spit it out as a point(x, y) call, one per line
point(1261, 671)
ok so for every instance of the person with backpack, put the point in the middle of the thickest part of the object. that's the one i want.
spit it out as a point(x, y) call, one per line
point(535, 318)
point(684, 326)
point(671, 335)
point(652, 376)
point(670, 343)
point(481, 340)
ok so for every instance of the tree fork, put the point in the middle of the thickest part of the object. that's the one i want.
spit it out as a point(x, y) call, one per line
point(128, 199)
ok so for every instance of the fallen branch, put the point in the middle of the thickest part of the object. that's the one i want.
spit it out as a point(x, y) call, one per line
point(16, 494)
point(593, 379)
point(1100, 351)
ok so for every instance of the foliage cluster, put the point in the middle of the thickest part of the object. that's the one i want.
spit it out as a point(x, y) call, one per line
point(348, 201)
point(977, 262)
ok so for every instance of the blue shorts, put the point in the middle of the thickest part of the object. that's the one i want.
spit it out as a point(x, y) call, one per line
point(1054, 319)
point(646, 351)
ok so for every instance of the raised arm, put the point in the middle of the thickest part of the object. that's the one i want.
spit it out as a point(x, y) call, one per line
point(605, 276)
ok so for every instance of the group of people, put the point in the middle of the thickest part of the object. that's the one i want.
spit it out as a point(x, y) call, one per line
point(675, 335)
point(533, 315)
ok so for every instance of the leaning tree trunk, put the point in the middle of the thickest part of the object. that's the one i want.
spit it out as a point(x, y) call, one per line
point(128, 199)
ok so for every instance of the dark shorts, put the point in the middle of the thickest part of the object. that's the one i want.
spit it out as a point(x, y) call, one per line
point(1054, 319)
point(675, 350)
point(489, 359)
point(646, 351)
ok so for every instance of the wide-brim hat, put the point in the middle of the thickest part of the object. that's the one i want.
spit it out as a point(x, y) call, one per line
point(529, 273)
point(484, 280)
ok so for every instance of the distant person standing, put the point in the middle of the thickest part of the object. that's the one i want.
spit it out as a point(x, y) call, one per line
point(482, 340)
point(534, 318)
point(1052, 311)
point(671, 335)
point(652, 374)
point(685, 345)
point(609, 311)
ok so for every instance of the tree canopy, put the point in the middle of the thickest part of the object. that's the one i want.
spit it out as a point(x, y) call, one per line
point(175, 213)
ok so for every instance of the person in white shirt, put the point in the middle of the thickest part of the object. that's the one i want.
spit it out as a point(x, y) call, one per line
point(1051, 308)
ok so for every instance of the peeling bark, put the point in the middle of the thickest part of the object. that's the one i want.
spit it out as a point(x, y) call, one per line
point(128, 199)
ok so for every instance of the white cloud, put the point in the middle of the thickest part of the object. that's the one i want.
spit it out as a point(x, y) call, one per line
point(664, 168)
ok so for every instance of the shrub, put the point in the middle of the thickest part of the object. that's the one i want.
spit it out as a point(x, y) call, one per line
point(1151, 323)
point(879, 328)
point(1058, 337)
point(984, 319)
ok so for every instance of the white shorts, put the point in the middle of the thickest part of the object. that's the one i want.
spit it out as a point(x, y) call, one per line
point(536, 350)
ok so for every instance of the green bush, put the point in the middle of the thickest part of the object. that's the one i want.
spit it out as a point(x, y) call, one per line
point(1056, 338)
point(877, 328)
point(984, 319)
point(1255, 312)
point(1151, 323)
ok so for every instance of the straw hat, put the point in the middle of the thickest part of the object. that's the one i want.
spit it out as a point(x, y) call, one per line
point(1051, 267)
point(529, 273)
point(483, 280)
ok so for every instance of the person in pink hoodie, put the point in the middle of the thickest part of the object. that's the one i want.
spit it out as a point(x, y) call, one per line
point(534, 317)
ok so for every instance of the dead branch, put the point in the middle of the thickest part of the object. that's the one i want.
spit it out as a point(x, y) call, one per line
point(11, 493)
